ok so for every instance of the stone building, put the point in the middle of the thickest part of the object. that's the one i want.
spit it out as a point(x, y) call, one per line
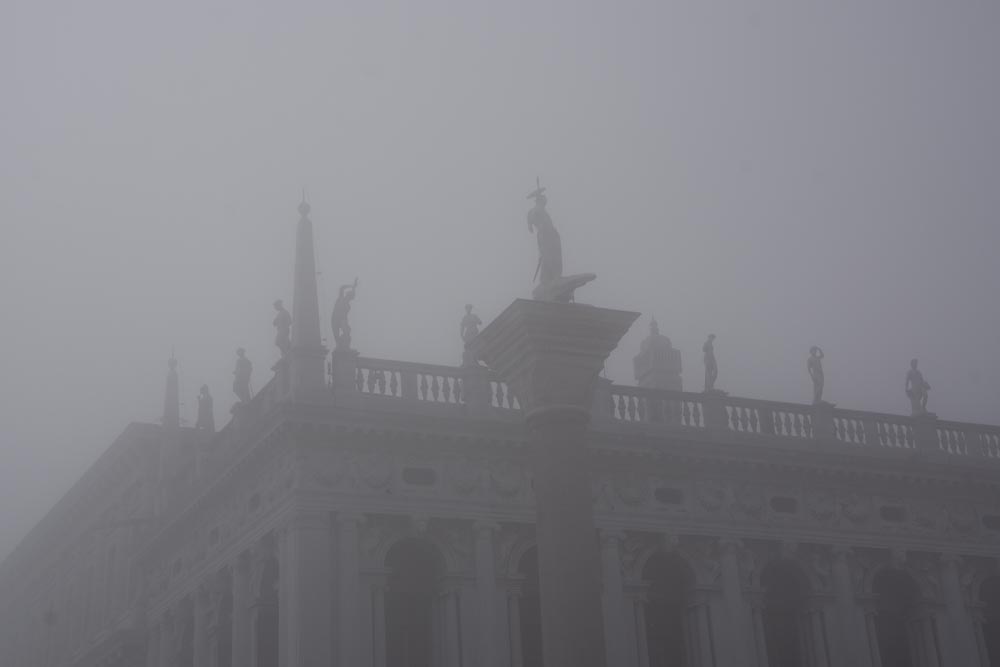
point(376, 513)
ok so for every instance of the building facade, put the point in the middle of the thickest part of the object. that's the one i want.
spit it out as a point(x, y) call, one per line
point(376, 513)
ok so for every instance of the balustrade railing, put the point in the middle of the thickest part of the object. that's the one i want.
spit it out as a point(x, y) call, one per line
point(467, 389)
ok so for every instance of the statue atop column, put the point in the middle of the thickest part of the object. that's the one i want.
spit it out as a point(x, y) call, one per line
point(339, 320)
point(815, 367)
point(283, 325)
point(206, 413)
point(468, 330)
point(552, 284)
point(711, 367)
point(241, 376)
point(916, 390)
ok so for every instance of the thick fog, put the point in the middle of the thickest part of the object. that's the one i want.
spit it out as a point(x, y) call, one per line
point(781, 174)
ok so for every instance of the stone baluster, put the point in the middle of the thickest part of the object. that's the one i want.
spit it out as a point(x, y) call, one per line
point(305, 584)
point(348, 588)
point(963, 641)
point(614, 602)
point(242, 635)
point(486, 588)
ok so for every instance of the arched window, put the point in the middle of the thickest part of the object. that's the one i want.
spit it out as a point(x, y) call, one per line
point(897, 600)
point(669, 581)
point(785, 607)
point(266, 616)
point(530, 610)
point(412, 590)
point(989, 595)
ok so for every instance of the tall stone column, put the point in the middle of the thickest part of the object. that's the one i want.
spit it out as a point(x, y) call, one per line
point(551, 353)
point(201, 617)
point(305, 612)
point(242, 597)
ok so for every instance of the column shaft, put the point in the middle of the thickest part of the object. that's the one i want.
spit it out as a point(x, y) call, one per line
point(614, 600)
point(736, 651)
point(348, 590)
point(963, 642)
point(568, 554)
point(486, 588)
point(242, 630)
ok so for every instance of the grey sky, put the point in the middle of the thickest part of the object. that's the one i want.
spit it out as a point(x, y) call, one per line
point(782, 174)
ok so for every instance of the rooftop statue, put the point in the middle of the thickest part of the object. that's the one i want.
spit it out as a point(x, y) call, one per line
point(552, 284)
point(206, 413)
point(468, 330)
point(916, 390)
point(658, 364)
point(711, 367)
point(339, 320)
point(815, 367)
point(283, 324)
point(241, 376)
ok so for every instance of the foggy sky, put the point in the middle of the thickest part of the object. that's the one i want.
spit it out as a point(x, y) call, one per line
point(782, 174)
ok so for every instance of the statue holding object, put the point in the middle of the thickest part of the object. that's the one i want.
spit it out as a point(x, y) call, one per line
point(468, 330)
point(916, 390)
point(815, 367)
point(552, 284)
point(339, 319)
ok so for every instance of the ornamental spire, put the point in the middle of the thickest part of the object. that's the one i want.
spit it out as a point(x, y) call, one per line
point(308, 353)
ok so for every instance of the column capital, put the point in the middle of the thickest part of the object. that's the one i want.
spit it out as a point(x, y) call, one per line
point(951, 559)
point(841, 552)
point(356, 518)
point(731, 545)
point(611, 538)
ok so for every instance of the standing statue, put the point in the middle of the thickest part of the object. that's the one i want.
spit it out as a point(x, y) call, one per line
point(283, 324)
point(338, 320)
point(241, 376)
point(206, 412)
point(916, 390)
point(469, 329)
point(815, 367)
point(711, 367)
point(552, 284)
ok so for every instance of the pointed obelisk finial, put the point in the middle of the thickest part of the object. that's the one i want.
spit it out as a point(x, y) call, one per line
point(172, 399)
point(308, 355)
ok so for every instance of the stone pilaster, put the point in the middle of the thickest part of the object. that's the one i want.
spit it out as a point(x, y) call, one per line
point(486, 588)
point(963, 644)
point(305, 582)
point(348, 588)
point(614, 597)
point(551, 354)
point(242, 597)
point(737, 651)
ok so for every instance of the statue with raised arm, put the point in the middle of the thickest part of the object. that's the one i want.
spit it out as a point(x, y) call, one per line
point(552, 284)
point(711, 367)
point(241, 376)
point(283, 325)
point(339, 320)
point(916, 390)
point(469, 329)
point(815, 367)
point(206, 413)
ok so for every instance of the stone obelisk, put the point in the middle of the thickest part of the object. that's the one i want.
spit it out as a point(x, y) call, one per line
point(551, 354)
